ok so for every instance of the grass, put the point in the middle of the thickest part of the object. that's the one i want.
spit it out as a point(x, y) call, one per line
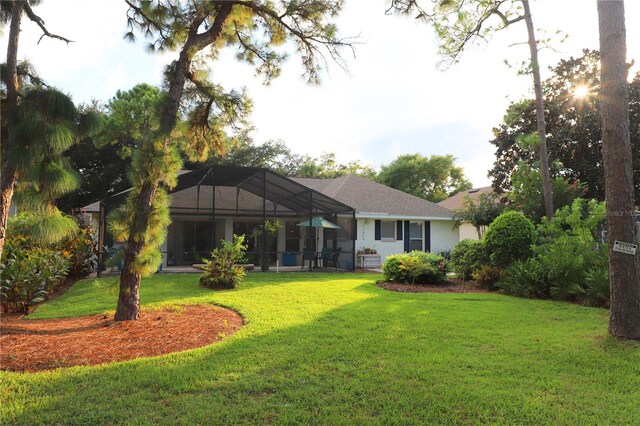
point(335, 349)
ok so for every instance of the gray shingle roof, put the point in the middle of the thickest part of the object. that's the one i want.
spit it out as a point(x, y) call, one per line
point(455, 202)
point(367, 196)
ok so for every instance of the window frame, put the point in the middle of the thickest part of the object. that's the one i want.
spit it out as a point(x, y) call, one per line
point(393, 225)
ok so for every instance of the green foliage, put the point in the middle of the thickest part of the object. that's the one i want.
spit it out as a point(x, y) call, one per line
point(467, 257)
point(59, 233)
point(479, 213)
point(258, 31)
point(326, 167)
point(526, 194)
point(525, 279)
point(38, 256)
point(583, 219)
point(568, 263)
point(221, 271)
point(487, 276)
point(28, 274)
point(565, 270)
point(509, 238)
point(119, 220)
point(433, 178)
point(151, 160)
point(263, 236)
point(574, 132)
point(416, 267)
point(44, 125)
point(44, 229)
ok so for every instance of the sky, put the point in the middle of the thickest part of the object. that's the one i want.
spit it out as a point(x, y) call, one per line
point(394, 99)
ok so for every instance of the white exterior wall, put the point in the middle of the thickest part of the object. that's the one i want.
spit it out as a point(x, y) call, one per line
point(468, 232)
point(443, 236)
point(366, 238)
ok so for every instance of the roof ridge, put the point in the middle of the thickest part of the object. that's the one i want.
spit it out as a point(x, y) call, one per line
point(336, 185)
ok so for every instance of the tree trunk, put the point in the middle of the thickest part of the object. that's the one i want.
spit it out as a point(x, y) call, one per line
point(8, 173)
point(624, 269)
point(129, 297)
point(540, 121)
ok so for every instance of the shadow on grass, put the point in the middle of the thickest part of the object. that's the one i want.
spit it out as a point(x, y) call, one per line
point(97, 296)
point(385, 359)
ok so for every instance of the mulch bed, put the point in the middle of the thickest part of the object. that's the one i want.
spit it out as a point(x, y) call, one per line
point(448, 287)
point(37, 345)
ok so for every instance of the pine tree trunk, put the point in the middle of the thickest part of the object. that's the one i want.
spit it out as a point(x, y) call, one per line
point(540, 121)
point(129, 297)
point(624, 269)
point(8, 173)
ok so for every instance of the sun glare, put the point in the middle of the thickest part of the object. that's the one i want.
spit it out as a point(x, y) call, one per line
point(581, 92)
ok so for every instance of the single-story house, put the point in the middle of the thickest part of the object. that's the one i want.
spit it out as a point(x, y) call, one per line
point(456, 202)
point(214, 203)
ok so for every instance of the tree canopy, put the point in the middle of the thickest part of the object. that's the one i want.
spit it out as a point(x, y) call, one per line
point(433, 178)
point(574, 127)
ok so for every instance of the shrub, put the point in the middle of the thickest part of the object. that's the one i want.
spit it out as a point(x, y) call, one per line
point(525, 279)
point(28, 275)
point(583, 219)
point(416, 267)
point(596, 291)
point(221, 271)
point(487, 276)
point(565, 269)
point(576, 272)
point(509, 238)
point(467, 257)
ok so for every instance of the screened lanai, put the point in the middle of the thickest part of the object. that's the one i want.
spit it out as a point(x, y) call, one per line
point(214, 203)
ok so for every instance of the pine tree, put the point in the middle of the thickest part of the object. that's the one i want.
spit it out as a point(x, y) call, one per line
point(460, 24)
point(624, 269)
point(11, 77)
point(199, 30)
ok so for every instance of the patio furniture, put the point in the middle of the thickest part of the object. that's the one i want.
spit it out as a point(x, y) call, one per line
point(335, 258)
point(326, 256)
point(309, 255)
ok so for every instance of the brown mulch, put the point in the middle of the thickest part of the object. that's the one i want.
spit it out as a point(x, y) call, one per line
point(448, 287)
point(37, 345)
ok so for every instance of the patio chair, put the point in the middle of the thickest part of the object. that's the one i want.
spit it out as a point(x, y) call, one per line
point(335, 258)
point(307, 255)
point(326, 256)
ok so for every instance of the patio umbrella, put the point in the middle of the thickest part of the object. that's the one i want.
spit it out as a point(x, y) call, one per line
point(318, 222)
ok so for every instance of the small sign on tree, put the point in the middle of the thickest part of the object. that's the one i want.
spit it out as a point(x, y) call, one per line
point(626, 248)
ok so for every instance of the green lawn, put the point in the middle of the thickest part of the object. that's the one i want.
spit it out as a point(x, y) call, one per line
point(335, 349)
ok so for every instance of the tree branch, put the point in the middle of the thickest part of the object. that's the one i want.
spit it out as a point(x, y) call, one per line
point(38, 20)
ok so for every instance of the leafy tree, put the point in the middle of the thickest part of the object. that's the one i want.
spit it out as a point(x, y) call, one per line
point(624, 269)
point(526, 194)
point(13, 77)
point(574, 127)
point(102, 172)
point(479, 213)
point(460, 23)
point(273, 154)
point(198, 31)
point(433, 178)
point(327, 167)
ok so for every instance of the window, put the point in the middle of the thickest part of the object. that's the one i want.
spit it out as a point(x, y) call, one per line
point(388, 229)
point(415, 242)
